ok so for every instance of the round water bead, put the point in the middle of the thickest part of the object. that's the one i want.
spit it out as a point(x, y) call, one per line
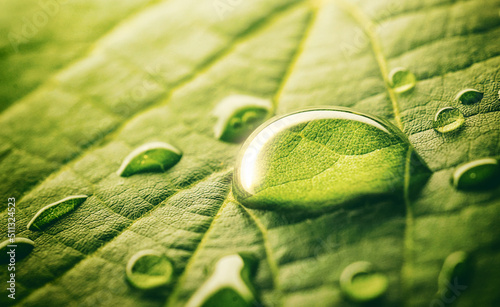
point(478, 174)
point(320, 158)
point(448, 119)
point(402, 80)
point(469, 96)
point(359, 282)
point(239, 115)
point(149, 269)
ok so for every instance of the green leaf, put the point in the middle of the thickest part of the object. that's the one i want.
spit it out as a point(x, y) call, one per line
point(101, 79)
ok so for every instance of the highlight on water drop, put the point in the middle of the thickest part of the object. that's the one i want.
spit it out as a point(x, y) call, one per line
point(402, 80)
point(150, 157)
point(469, 96)
point(360, 282)
point(238, 115)
point(229, 284)
point(149, 269)
point(55, 211)
point(448, 119)
point(478, 174)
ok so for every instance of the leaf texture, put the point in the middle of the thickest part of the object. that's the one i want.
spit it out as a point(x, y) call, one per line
point(75, 102)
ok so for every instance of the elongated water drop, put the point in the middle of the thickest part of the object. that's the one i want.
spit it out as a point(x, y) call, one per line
point(320, 158)
point(149, 269)
point(21, 247)
point(150, 157)
point(448, 119)
point(53, 212)
point(457, 270)
point(229, 285)
point(402, 80)
point(469, 96)
point(239, 115)
point(359, 282)
point(482, 173)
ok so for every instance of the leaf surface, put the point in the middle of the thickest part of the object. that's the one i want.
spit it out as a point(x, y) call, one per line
point(153, 71)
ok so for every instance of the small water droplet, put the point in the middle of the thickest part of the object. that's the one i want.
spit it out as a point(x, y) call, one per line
point(22, 247)
point(149, 269)
point(448, 119)
point(469, 96)
point(457, 269)
point(402, 80)
point(359, 282)
point(239, 115)
point(53, 212)
point(320, 158)
point(478, 174)
point(150, 157)
point(229, 285)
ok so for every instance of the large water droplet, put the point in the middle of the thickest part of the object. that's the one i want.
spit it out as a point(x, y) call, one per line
point(482, 173)
point(53, 212)
point(151, 157)
point(457, 270)
point(319, 158)
point(402, 80)
point(22, 247)
point(239, 115)
point(229, 285)
point(448, 119)
point(359, 282)
point(469, 96)
point(149, 269)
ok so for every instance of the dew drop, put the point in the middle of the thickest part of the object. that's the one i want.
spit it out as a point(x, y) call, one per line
point(55, 211)
point(150, 157)
point(320, 158)
point(448, 119)
point(457, 269)
point(239, 115)
point(359, 282)
point(22, 246)
point(402, 80)
point(149, 269)
point(478, 174)
point(469, 96)
point(229, 285)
